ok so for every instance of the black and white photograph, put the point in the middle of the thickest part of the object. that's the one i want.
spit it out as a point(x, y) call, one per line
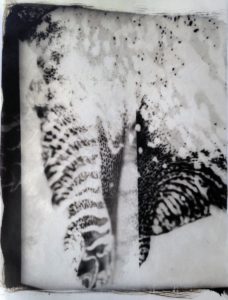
point(113, 148)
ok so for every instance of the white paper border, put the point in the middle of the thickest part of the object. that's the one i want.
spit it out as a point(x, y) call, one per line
point(219, 7)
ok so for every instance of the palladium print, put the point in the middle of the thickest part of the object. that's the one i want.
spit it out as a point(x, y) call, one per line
point(123, 150)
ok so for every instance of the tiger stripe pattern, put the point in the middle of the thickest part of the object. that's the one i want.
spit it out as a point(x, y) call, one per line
point(72, 164)
point(136, 75)
point(172, 191)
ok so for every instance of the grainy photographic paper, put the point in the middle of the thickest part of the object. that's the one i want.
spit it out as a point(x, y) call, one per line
point(114, 169)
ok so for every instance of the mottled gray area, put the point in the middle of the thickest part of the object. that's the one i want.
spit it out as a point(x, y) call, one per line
point(100, 64)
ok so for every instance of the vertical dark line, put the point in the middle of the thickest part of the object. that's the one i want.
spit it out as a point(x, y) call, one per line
point(20, 24)
point(138, 181)
point(11, 155)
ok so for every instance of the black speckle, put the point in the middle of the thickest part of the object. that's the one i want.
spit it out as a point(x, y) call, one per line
point(49, 74)
point(40, 62)
point(205, 152)
point(114, 38)
point(179, 42)
point(196, 30)
point(56, 56)
point(41, 111)
point(49, 95)
point(195, 155)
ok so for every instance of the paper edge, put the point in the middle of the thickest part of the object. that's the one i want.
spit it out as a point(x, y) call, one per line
point(127, 6)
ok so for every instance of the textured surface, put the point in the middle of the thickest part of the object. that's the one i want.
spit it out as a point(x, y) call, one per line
point(103, 64)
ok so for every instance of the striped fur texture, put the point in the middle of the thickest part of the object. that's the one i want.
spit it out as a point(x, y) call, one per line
point(73, 157)
point(99, 74)
point(172, 190)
